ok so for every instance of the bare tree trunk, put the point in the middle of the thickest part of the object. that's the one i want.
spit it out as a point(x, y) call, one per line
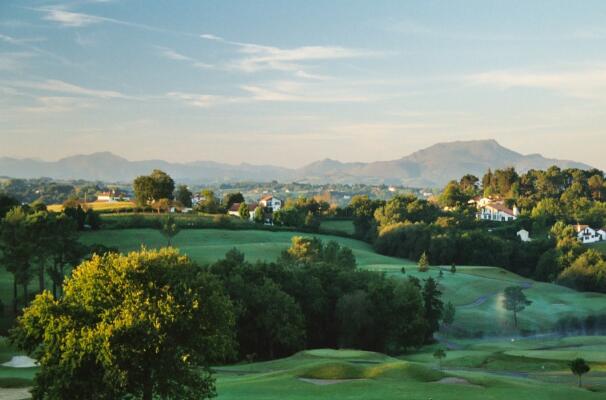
point(15, 294)
point(148, 388)
point(41, 282)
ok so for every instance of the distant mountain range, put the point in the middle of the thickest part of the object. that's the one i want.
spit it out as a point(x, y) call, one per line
point(430, 167)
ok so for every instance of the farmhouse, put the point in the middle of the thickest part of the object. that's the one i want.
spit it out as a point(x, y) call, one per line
point(497, 212)
point(270, 203)
point(602, 233)
point(586, 234)
point(112, 196)
point(235, 210)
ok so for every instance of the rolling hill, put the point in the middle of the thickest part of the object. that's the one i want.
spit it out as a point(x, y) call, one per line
point(430, 167)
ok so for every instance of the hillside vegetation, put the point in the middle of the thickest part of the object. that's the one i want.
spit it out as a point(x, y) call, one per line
point(474, 290)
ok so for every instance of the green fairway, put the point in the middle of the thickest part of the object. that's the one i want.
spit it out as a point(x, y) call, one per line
point(345, 226)
point(467, 374)
point(476, 291)
point(531, 368)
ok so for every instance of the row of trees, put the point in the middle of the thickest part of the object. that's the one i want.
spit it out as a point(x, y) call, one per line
point(313, 296)
point(38, 244)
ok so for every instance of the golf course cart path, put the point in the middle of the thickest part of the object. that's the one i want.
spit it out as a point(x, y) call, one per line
point(482, 299)
point(451, 380)
point(324, 382)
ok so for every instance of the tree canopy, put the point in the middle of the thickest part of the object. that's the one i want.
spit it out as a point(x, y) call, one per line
point(144, 322)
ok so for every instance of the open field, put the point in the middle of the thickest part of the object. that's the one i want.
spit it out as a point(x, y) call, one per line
point(98, 206)
point(475, 291)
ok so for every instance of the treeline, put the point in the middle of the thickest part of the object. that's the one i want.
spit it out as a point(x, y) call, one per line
point(37, 244)
point(313, 296)
point(50, 191)
point(447, 230)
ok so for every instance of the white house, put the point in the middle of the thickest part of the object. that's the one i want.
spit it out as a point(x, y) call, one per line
point(586, 234)
point(111, 196)
point(235, 210)
point(523, 235)
point(497, 212)
point(602, 233)
point(270, 203)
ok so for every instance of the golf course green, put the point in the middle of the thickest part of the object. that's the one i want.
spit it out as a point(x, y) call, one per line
point(476, 370)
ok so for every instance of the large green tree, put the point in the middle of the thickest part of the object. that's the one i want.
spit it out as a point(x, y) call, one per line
point(434, 306)
point(145, 325)
point(6, 204)
point(158, 185)
point(183, 196)
point(231, 198)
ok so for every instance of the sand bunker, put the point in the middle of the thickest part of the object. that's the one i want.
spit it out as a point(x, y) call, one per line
point(324, 382)
point(451, 380)
point(21, 362)
point(15, 394)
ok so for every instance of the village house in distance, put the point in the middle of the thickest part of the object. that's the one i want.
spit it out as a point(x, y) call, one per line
point(587, 234)
point(492, 209)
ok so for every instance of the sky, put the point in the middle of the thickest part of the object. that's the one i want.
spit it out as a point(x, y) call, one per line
point(291, 82)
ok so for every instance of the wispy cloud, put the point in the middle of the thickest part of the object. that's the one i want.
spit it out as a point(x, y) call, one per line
point(12, 61)
point(202, 100)
point(586, 82)
point(176, 56)
point(56, 104)
point(58, 86)
point(172, 54)
point(292, 91)
point(256, 57)
point(26, 43)
point(69, 18)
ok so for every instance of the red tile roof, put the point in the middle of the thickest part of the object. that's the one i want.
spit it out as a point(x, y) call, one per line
point(500, 207)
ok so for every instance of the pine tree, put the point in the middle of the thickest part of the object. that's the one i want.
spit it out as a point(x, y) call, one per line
point(423, 263)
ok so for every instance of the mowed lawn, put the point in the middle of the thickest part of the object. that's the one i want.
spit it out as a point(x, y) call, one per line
point(601, 246)
point(345, 226)
point(475, 291)
point(477, 371)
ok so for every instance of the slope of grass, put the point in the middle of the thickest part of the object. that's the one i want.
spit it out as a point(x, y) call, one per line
point(386, 379)
point(476, 291)
point(345, 226)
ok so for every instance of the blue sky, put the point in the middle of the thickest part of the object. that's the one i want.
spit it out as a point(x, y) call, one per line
point(290, 82)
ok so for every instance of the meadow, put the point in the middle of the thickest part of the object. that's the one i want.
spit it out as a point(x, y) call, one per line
point(100, 206)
